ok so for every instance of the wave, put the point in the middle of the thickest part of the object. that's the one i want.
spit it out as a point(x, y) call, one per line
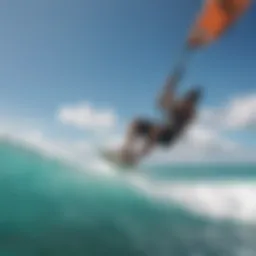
point(64, 209)
point(217, 199)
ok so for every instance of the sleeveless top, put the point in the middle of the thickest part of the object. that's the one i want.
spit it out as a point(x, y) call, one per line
point(179, 117)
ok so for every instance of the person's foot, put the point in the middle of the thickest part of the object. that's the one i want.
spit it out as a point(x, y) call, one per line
point(128, 157)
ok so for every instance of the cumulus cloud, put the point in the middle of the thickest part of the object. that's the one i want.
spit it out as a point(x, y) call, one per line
point(241, 113)
point(238, 114)
point(208, 139)
point(84, 116)
point(199, 144)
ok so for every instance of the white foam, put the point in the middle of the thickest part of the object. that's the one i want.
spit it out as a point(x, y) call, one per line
point(224, 199)
point(79, 153)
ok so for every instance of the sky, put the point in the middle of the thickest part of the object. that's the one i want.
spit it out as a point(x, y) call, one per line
point(72, 68)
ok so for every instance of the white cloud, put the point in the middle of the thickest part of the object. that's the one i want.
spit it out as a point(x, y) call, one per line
point(84, 116)
point(199, 144)
point(208, 139)
point(238, 114)
point(241, 113)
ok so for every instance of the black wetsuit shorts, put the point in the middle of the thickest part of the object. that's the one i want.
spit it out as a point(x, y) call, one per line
point(166, 134)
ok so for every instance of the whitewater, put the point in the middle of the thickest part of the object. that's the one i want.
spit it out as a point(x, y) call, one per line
point(51, 204)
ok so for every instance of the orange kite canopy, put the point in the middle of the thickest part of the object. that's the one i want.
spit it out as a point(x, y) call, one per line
point(214, 19)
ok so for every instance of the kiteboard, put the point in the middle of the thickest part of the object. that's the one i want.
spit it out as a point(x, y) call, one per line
point(114, 157)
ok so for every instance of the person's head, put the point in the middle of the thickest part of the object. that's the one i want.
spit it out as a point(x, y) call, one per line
point(194, 95)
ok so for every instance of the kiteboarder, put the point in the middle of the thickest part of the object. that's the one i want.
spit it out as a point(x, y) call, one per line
point(214, 20)
point(178, 114)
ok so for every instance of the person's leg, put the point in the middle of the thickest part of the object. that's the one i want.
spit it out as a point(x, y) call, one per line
point(150, 142)
point(139, 128)
point(147, 148)
point(130, 137)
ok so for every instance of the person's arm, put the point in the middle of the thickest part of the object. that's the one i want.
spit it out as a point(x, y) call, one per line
point(166, 98)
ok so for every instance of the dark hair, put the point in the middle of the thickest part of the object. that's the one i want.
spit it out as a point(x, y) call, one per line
point(194, 94)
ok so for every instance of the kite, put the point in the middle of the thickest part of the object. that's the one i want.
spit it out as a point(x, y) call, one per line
point(214, 20)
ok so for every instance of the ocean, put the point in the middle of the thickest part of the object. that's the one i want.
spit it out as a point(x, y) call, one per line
point(52, 207)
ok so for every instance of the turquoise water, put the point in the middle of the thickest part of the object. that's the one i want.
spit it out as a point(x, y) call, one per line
point(49, 208)
point(198, 172)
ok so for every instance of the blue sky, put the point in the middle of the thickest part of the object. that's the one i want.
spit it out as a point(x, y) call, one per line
point(112, 53)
